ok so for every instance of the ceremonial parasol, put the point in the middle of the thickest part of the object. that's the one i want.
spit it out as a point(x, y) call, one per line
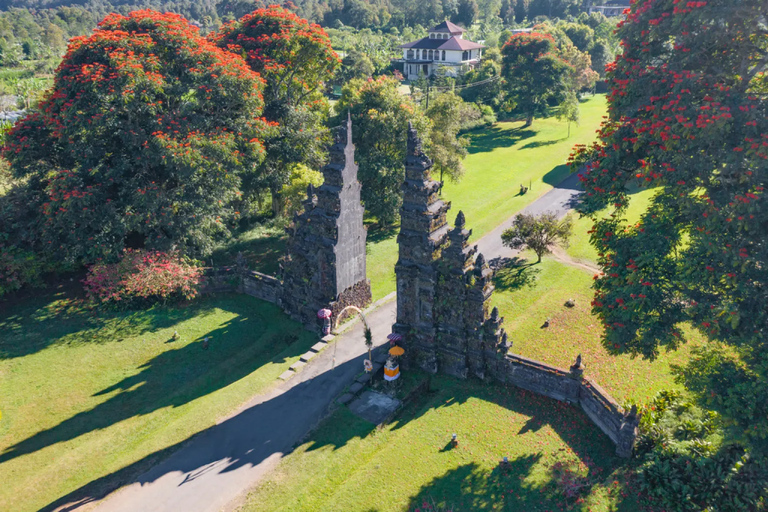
point(396, 351)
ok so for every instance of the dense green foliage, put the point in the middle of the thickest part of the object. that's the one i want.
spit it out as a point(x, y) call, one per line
point(686, 466)
point(295, 59)
point(449, 115)
point(380, 116)
point(536, 77)
point(689, 114)
point(144, 141)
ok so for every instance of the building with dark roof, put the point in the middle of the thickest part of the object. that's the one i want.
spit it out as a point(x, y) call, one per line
point(444, 46)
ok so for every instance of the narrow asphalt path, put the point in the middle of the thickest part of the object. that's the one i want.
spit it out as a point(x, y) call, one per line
point(213, 471)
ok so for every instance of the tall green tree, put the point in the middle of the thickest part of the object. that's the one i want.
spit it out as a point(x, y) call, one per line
point(688, 115)
point(467, 12)
point(144, 141)
point(491, 91)
point(296, 60)
point(536, 76)
point(449, 114)
point(380, 116)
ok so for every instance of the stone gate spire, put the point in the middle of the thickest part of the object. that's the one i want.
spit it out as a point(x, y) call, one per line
point(423, 233)
point(443, 285)
point(325, 263)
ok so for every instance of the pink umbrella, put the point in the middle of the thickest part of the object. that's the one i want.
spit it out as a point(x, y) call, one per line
point(325, 315)
point(394, 338)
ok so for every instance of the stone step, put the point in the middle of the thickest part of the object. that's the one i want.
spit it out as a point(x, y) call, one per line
point(354, 388)
point(287, 374)
point(308, 355)
point(345, 398)
point(320, 345)
point(364, 378)
point(328, 338)
point(298, 365)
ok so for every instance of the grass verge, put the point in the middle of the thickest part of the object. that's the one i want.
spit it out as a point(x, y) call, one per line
point(86, 393)
point(348, 465)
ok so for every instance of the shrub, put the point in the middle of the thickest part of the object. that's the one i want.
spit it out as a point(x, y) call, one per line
point(18, 268)
point(687, 466)
point(143, 277)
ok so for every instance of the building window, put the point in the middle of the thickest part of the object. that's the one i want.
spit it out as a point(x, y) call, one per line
point(443, 54)
point(410, 54)
point(465, 56)
point(431, 55)
point(431, 36)
point(424, 54)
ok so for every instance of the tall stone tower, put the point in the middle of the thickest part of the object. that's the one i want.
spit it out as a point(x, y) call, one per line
point(325, 262)
point(444, 286)
point(423, 233)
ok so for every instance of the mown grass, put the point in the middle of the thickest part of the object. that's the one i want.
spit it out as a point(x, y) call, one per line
point(347, 465)
point(87, 392)
point(528, 295)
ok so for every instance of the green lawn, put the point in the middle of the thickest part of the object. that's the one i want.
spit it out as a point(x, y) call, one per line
point(86, 392)
point(347, 465)
point(261, 246)
point(500, 159)
point(527, 296)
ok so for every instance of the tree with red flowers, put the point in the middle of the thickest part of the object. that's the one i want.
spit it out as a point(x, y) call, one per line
point(688, 115)
point(296, 60)
point(143, 141)
point(536, 76)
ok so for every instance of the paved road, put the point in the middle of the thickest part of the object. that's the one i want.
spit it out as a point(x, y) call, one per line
point(559, 200)
point(213, 471)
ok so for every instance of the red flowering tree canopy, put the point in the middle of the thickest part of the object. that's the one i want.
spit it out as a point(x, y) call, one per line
point(294, 56)
point(688, 114)
point(143, 141)
point(536, 76)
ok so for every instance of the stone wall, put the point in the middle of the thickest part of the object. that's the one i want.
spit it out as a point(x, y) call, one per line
point(570, 386)
point(229, 279)
point(262, 286)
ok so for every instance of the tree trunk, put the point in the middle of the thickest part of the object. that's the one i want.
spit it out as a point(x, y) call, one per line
point(528, 121)
point(277, 204)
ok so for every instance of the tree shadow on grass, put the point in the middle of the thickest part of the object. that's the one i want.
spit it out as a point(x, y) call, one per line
point(497, 137)
point(542, 143)
point(377, 233)
point(513, 273)
point(270, 427)
point(178, 376)
point(244, 440)
point(60, 318)
point(562, 177)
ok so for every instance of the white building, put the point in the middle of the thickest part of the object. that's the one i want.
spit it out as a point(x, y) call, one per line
point(444, 46)
point(609, 10)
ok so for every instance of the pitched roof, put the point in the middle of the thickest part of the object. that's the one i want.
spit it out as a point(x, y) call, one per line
point(454, 43)
point(447, 26)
